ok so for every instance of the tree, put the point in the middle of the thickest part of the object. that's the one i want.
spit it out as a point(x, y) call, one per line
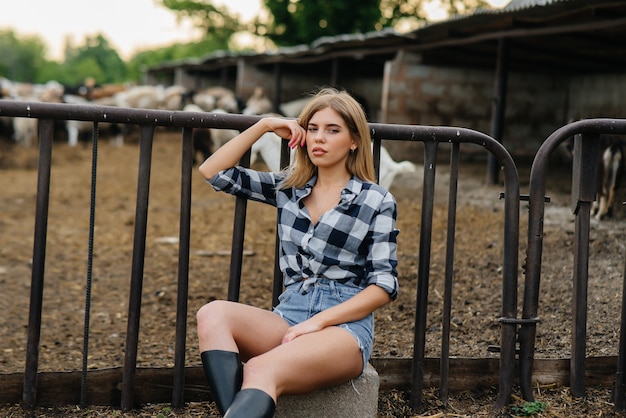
point(21, 56)
point(293, 22)
point(97, 59)
point(217, 24)
point(174, 52)
point(303, 21)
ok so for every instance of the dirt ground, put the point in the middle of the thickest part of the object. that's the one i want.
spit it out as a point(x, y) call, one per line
point(476, 292)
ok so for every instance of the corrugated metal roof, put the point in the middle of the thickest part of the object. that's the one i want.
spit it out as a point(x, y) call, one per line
point(524, 4)
point(543, 35)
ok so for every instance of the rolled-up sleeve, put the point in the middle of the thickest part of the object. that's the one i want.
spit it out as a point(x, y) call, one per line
point(247, 183)
point(382, 260)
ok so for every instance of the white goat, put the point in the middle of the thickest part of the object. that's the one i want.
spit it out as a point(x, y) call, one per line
point(221, 136)
point(293, 108)
point(216, 98)
point(25, 131)
point(389, 168)
point(201, 137)
point(268, 147)
point(76, 127)
point(258, 103)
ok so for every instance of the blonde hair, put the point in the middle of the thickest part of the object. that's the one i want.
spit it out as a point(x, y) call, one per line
point(360, 162)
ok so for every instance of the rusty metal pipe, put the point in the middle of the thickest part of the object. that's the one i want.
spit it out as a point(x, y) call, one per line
point(178, 390)
point(137, 268)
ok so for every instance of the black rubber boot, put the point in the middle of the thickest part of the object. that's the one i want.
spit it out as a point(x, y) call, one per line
point(251, 403)
point(224, 372)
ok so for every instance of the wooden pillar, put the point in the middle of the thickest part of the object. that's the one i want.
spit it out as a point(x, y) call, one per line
point(498, 106)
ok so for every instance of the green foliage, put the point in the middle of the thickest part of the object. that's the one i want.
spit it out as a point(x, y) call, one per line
point(21, 56)
point(95, 59)
point(174, 52)
point(216, 22)
point(528, 409)
point(23, 59)
point(303, 21)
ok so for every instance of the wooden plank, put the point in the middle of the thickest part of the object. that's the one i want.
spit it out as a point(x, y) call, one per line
point(154, 385)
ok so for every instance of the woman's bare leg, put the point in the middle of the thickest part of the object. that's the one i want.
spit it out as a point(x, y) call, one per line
point(311, 361)
point(236, 327)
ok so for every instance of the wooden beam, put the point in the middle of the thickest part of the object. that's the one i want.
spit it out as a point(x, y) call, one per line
point(154, 385)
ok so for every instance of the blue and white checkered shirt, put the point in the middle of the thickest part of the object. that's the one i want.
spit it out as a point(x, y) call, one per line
point(355, 241)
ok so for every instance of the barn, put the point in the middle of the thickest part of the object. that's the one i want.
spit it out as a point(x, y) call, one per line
point(516, 73)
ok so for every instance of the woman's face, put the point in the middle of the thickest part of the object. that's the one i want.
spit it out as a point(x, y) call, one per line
point(328, 138)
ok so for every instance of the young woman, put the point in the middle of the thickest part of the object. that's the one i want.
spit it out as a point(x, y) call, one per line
point(338, 257)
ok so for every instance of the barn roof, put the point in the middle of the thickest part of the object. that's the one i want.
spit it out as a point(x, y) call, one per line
point(569, 36)
point(544, 35)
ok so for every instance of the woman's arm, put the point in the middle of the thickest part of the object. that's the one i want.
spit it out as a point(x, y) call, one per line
point(355, 308)
point(229, 154)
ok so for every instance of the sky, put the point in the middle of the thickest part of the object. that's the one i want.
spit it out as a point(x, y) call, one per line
point(129, 25)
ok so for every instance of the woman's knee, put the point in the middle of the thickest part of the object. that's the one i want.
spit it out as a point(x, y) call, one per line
point(213, 313)
point(258, 369)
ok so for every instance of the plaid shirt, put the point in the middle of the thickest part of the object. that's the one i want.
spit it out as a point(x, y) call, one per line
point(355, 241)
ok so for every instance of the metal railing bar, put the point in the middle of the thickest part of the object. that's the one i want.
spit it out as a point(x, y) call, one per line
point(239, 230)
point(444, 366)
point(88, 281)
point(423, 273)
point(178, 390)
point(46, 130)
point(139, 250)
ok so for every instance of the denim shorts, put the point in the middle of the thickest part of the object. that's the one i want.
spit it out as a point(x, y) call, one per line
point(296, 305)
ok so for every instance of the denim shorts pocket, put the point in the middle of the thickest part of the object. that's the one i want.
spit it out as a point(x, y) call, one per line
point(289, 292)
point(343, 292)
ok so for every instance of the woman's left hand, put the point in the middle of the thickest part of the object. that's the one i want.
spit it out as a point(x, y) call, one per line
point(288, 129)
point(306, 327)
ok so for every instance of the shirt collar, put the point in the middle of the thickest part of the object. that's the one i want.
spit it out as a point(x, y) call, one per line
point(352, 189)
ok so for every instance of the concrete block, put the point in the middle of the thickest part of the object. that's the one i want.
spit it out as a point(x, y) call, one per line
point(355, 399)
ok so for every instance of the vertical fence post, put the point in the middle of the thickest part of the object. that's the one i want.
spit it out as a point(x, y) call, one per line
point(584, 176)
point(423, 274)
point(29, 395)
point(444, 366)
point(139, 251)
point(178, 391)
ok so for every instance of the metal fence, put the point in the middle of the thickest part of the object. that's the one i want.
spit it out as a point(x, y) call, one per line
point(432, 139)
point(586, 154)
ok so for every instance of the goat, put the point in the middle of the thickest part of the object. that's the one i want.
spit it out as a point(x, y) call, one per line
point(217, 97)
point(268, 148)
point(77, 127)
point(258, 103)
point(201, 137)
point(221, 136)
point(25, 129)
point(293, 108)
point(610, 170)
point(610, 167)
point(389, 168)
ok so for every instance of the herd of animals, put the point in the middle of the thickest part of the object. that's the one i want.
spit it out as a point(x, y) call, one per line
point(23, 131)
point(219, 99)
